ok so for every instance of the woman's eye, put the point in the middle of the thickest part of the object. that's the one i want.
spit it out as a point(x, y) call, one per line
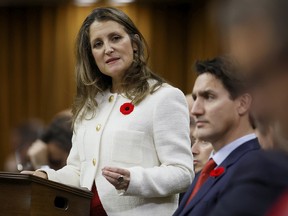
point(116, 38)
point(97, 44)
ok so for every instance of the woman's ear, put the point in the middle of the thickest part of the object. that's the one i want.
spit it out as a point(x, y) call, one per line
point(244, 105)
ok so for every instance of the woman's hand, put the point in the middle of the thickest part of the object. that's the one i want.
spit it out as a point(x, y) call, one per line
point(36, 173)
point(119, 178)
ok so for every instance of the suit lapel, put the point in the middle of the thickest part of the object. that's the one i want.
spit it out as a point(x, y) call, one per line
point(186, 196)
point(239, 152)
point(229, 161)
point(202, 192)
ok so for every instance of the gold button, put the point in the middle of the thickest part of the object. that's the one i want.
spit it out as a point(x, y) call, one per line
point(94, 161)
point(98, 127)
point(111, 98)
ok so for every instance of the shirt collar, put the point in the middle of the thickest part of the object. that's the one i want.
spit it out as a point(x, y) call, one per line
point(225, 151)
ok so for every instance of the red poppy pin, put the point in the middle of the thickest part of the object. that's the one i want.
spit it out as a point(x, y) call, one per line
point(126, 108)
point(217, 172)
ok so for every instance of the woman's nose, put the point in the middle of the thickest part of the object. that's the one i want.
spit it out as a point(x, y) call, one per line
point(108, 49)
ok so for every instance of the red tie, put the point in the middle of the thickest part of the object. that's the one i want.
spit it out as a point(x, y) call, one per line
point(210, 165)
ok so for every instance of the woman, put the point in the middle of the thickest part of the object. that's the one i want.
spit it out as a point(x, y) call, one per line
point(131, 130)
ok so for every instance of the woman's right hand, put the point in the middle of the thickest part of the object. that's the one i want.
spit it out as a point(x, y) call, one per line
point(38, 173)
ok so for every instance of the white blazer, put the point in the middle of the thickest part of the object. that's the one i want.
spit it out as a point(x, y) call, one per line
point(152, 142)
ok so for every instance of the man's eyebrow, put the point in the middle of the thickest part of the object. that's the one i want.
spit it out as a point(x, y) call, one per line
point(204, 92)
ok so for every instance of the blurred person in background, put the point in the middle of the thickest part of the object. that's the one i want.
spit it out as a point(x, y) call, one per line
point(257, 35)
point(53, 147)
point(264, 131)
point(22, 136)
point(201, 151)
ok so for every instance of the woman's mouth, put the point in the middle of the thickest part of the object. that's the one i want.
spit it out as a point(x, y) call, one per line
point(111, 60)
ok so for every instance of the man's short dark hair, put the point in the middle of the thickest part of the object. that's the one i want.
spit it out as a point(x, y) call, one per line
point(225, 69)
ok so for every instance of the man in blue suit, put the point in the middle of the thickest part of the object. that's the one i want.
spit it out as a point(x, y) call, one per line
point(221, 111)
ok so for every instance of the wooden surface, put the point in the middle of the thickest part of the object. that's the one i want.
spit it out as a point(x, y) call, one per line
point(27, 195)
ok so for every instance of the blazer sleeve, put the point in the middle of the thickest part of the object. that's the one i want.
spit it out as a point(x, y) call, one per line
point(172, 142)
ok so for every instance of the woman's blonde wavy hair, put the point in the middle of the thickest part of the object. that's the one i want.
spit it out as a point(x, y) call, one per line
point(90, 80)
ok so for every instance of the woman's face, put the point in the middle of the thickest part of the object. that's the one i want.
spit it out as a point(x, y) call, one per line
point(112, 48)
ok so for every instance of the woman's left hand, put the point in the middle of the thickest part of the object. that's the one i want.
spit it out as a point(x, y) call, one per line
point(119, 178)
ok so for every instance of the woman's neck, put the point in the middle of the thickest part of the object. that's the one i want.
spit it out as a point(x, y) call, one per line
point(116, 86)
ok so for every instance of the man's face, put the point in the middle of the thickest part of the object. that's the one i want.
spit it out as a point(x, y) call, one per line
point(214, 111)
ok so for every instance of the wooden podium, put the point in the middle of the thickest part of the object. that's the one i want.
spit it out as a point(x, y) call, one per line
point(28, 195)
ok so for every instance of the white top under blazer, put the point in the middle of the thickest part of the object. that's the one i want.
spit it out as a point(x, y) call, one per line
point(152, 142)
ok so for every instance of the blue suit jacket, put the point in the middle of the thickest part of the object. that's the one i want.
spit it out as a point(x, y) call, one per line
point(208, 195)
point(264, 177)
